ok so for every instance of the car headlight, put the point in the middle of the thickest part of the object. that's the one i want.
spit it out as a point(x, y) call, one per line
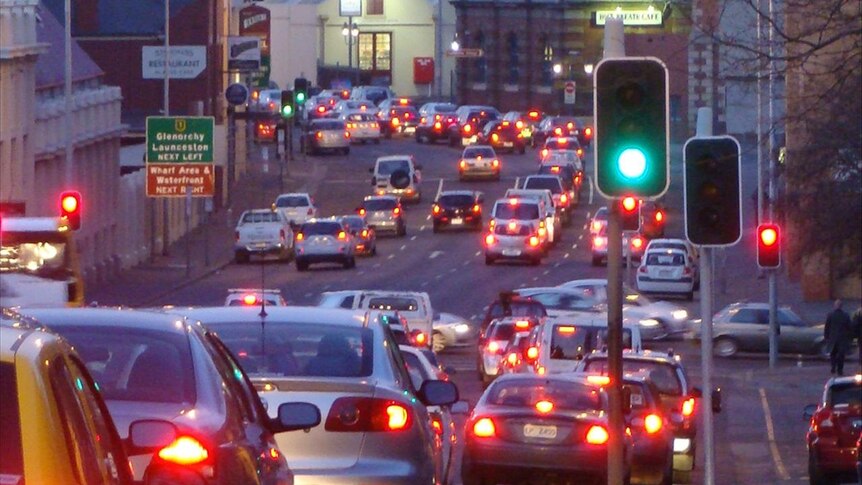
point(681, 445)
point(649, 322)
point(462, 328)
point(680, 314)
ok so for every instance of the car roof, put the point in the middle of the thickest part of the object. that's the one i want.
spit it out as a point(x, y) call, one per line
point(12, 339)
point(458, 192)
point(45, 224)
point(114, 317)
point(843, 380)
point(394, 157)
point(291, 314)
point(587, 281)
point(505, 200)
point(259, 211)
point(294, 194)
point(667, 251)
point(565, 376)
point(669, 240)
point(380, 197)
point(643, 355)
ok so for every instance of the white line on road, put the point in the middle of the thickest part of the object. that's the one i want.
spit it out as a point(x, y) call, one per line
point(439, 189)
point(435, 254)
point(453, 270)
point(308, 295)
point(413, 238)
point(535, 278)
point(422, 227)
point(424, 284)
point(376, 265)
point(566, 255)
point(591, 189)
point(474, 317)
point(546, 272)
point(327, 286)
point(557, 264)
point(770, 433)
point(438, 276)
point(478, 253)
point(391, 256)
point(465, 263)
point(403, 247)
point(427, 218)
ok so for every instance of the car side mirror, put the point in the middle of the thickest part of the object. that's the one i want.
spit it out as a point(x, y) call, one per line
point(461, 407)
point(808, 412)
point(716, 400)
point(438, 393)
point(150, 434)
point(296, 415)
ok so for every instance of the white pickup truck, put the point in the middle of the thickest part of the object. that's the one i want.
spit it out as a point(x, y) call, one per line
point(263, 232)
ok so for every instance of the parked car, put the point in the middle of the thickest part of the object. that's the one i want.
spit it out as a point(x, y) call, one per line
point(261, 232)
point(376, 426)
point(53, 414)
point(158, 366)
point(835, 431)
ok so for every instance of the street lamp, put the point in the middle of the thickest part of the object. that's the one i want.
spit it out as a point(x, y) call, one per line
point(350, 31)
point(588, 68)
point(558, 68)
point(455, 45)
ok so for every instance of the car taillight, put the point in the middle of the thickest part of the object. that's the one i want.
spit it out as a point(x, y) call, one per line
point(519, 125)
point(495, 163)
point(652, 423)
point(492, 224)
point(396, 211)
point(342, 236)
point(512, 359)
point(577, 179)
point(598, 241)
point(422, 120)
point(395, 122)
point(495, 137)
point(184, 450)
point(346, 134)
point(642, 269)
point(533, 241)
point(300, 236)
point(318, 135)
point(544, 152)
point(364, 233)
point(588, 132)
point(598, 380)
point(477, 208)
point(249, 299)
point(544, 406)
point(659, 216)
point(420, 339)
point(437, 125)
point(484, 428)
point(637, 243)
point(532, 353)
point(437, 424)
point(558, 131)
point(468, 128)
point(522, 324)
point(435, 209)
point(564, 199)
point(361, 212)
point(686, 271)
point(580, 152)
point(542, 232)
point(597, 435)
point(688, 407)
point(321, 109)
point(462, 164)
point(494, 347)
point(490, 240)
point(349, 414)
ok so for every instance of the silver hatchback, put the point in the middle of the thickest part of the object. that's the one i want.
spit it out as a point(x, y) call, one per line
point(513, 240)
point(327, 135)
point(384, 213)
point(324, 241)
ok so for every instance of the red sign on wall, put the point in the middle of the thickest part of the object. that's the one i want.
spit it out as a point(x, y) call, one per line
point(254, 20)
point(423, 70)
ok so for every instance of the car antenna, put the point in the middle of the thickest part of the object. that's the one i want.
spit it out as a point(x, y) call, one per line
point(262, 313)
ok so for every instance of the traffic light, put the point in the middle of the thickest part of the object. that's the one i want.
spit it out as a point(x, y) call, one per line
point(630, 213)
point(768, 246)
point(287, 104)
point(300, 90)
point(70, 208)
point(631, 127)
point(713, 203)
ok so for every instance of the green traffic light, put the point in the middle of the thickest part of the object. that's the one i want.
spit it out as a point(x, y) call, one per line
point(632, 163)
point(287, 111)
point(300, 97)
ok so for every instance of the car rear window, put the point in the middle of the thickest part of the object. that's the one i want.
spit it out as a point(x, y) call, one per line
point(521, 211)
point(663, 375)
point(130, 364)
point(455, 200)
point(663, 259)
point(850, 394)
point(255, 217)
point(353, 222)
point(380, 204)
point(551, 183)
point(521, 230)
point(501, 331)
point(327, 125)
point(321, 228)
point(573, 342)
point(299, 349)
point(387, 167)
point(484, 152)
point(292, 201)
point(563, 394)
point(393, 303)
point(360, 117)
point(11, 451)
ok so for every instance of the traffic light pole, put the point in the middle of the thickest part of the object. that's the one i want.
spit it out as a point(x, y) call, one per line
point(616, 423)
point(773, 318)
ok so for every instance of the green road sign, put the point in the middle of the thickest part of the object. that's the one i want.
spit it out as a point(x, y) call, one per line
point(180, 139)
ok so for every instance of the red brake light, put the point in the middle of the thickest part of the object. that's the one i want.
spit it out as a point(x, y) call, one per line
point(437, 125)
point(544, 152)
point(513, 201)
point(495, 137)
point(495, 163)
point(522, 324)
point(652, 424)
point(477, 208)
point(342, 236)
point(435, 209)
point(688, 407)
point(361, 211)
point(346, 134)
point(570, 125)
point(484, 428)
point(629, 203)
point(659, 216)
point(561, 141)
point(462, 164)
point(184, 450)
point(468, 128)
point(580, 152)
point(598, 380)
point(396, 211)
point(519, 125)
point(598, 241)
point(558, 131)
point(437, 425)
point(564, 198)
point(365, 233)
point(420, 339)
point(490, 240)
point(533, 241)
point(532, 353)
point(533, 114)
point(300, 236)
point(494, 347)
point(512, 359)
point(249, 299)
point(637, 242)
point(319, 135)
point(597, 435)
point(398, 415)
point(395, 121)
point(588, 132)
point(367, 414)
point(544, 406)
point(321, 109)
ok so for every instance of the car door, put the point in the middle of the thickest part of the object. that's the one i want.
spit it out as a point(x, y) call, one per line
point(750, 327)
point(796, 336)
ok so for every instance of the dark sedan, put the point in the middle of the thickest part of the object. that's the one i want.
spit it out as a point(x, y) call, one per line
point(457, 209)
point(539, 427)
point(502, 135)
point(562, 126)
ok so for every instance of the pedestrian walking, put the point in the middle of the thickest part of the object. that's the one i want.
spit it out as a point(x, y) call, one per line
point(857, 332)
point(838, 333)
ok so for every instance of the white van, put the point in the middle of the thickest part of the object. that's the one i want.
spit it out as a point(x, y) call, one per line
point(415, 306)
point(564, 341)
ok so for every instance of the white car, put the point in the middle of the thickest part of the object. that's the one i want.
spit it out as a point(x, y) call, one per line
point(682, 244)
point(656, 319)
point(553, 224)
point(324, 241)
point(362, 127)
point(559, 301)
point(479, 161)
point(564, 341)
point(254, 297)
point(262, 232)
point(451, 331)
point(397, 175)
point(351, 106)
point(667, 271)
point(296, 207)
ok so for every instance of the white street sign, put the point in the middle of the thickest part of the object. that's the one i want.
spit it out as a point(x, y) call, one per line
point(187, 61)
point(569, 93)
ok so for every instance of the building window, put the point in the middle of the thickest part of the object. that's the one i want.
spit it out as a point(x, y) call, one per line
point(512, 45)
point(481, 64)
point(547, 61)
point(375, 54)
point(374, 7)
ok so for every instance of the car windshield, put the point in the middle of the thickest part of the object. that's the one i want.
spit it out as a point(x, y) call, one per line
point(254, 217)
point(393, 303)
point(360, 117)
point(353, 222)
point(476, 152)
point(849, 394)
point(665, 259)
point(520, 210)
point(557, 170)
point(130, 364)
point(662, 374)
point(443, 108)
point(292, 201)
point(321, 228)
point(569, 342)
point(380, 204)
point(387, 167)
point(327, 125)
point(455, 200)
point(667, 245)
point(299, 349)
point(565, 395)
point(550, 183)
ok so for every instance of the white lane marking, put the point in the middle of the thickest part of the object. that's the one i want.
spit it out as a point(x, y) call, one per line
point(557, 264)
point(376, 265)
point(438, 276)
point(575, 246)
point(591, 189)
point(422, 227)
point(424, 284)
point(474, 317)
point(413, 238)
point(453, 270)
point(308, 295)
point(770, 433)
point(535, 278)
point(587, 225)
point(327, 286)
point(566, 255)
point(517, 182)
point(580, 237)
point(391, 256)
point(589, 215)
point(439, 189)
point(546, 272)
point(403, 247)
point(435, 254)
point(478, 253)
point(465, 263)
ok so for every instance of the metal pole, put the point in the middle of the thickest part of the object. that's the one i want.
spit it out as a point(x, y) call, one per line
point(616, 424)
point(771, 110)
point(706, 358)
point(350, 45)
point(759, 89)
point(188, 230)
point(167, 110)
point(773, 319)
point(439, 61)
point(452, 85)
point(67, 88)
point(208, 207)
point(231, 150)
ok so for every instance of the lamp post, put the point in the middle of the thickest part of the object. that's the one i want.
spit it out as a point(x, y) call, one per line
point(454, 46)
point(350, 31)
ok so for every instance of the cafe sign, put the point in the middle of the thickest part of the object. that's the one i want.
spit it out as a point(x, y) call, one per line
point(630, 17)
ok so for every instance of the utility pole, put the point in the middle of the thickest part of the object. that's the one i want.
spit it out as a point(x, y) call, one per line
point(772, 274)
point(167, 110)
point(439, 50)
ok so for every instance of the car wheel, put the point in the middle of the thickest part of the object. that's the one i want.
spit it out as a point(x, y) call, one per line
point(817, 477)
point(374, 250)
point(301, 265)
point(402, 230)
point(241, 257)
point(349, 263)
point(489, 260)
point(346, 151)
point(522, 149)
point(725, 347)
point(438, 342)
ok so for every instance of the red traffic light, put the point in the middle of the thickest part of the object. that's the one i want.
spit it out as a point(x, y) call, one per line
point(629, 204)
point(768, 246)
point(70, 208)
point(630, 213)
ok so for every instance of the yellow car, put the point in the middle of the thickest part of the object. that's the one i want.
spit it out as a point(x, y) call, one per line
point(58, 430)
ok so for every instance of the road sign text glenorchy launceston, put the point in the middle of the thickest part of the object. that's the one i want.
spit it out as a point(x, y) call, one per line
point(180, 139)
point(180, 152)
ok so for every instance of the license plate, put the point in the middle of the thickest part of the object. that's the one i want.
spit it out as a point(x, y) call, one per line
point(664, 274)
point(511, 252)
point(410, 129)
point(536, 431)
point(457, 221)
point(507, 144)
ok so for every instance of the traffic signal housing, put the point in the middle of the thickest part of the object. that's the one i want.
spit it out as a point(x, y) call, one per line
point(70, 208)
point(630, 213)
point(631, 127)
point(300, 90)
point(713, 198)
point(768, 246)
point(288, 106)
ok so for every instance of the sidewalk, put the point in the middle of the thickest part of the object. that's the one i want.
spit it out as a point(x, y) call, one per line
point(211, 243)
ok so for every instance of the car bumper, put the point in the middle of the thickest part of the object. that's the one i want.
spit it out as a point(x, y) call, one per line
point(650, 459)
point(368, 134)
point(365, 248)
point(261, 248)
point(524, 253)
point(383, 226)
point(837, 460)
point(504, 459)
point(403, 194)
point(479, 172)
point(330, 144)
point(369, 472)
point(457, 221)
point(646, 283)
